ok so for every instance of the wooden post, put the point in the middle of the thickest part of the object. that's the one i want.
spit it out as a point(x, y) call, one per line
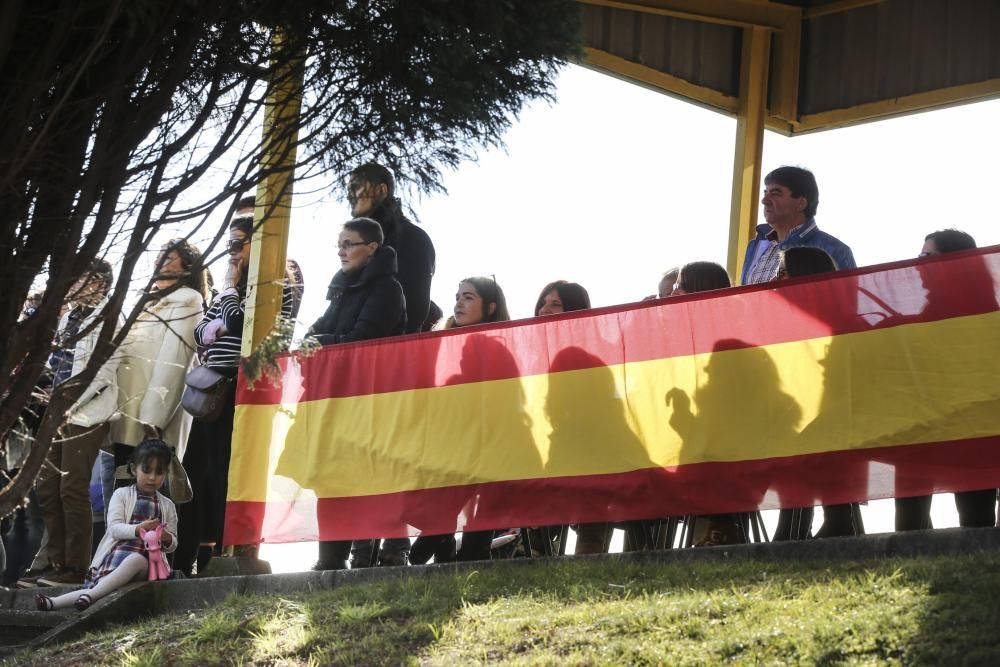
point(266, 274)
point(274, 205)
point(749, 144)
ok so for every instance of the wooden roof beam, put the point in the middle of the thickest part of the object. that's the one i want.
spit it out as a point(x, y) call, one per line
point(739, 13)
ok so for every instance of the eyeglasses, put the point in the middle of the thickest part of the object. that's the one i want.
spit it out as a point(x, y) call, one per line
point(236, 245)
point(347, 245)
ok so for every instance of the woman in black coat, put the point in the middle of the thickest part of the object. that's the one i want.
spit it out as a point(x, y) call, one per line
point(366, 301)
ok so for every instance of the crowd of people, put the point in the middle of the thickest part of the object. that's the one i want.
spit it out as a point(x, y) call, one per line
point(130, 421)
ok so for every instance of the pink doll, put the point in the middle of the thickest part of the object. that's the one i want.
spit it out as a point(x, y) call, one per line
point(158, 568)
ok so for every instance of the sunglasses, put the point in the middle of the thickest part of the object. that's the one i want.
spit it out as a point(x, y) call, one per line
point(235, 246)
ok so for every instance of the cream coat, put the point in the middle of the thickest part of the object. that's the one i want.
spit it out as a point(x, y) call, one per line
point(99, 402)
point(156, 356)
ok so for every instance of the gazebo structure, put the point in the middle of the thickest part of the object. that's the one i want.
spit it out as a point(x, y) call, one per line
point(792, 66)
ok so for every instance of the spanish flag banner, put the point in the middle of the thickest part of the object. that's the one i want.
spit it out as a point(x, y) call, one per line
point(874, 383)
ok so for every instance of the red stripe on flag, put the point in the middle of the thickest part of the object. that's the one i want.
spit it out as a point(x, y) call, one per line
point(848, 302)
point(708, 488)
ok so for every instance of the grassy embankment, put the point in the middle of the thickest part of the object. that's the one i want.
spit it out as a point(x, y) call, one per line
point(933, 611)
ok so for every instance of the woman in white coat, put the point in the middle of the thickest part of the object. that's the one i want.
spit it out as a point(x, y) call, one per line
point(157, 355)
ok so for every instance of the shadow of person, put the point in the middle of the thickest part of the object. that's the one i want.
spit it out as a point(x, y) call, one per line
point(834, 303)
point(598, 467)
point(951, 286)
point(336, 435)
point(742, 415)
point(490, 441)
point(900, 386)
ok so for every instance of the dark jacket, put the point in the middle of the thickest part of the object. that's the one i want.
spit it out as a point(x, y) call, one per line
point(364, 304)
point(415, 254)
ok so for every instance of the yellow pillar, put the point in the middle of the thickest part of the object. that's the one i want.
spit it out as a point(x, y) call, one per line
point(749, 144)
point(272, 215)
point(274, 205)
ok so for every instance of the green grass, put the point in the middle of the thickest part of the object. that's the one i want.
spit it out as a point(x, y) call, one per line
point(931, 611)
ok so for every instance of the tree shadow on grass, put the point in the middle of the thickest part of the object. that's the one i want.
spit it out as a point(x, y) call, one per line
point(914, 611)
point(923, 611)
point(960, 617)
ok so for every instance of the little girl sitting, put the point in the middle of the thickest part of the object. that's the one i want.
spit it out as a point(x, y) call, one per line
point(120, 556)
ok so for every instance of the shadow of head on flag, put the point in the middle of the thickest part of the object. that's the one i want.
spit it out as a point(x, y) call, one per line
point(838, 388)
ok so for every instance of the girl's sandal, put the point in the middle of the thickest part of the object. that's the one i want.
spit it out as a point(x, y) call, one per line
point(43, 602)
point(82, 602)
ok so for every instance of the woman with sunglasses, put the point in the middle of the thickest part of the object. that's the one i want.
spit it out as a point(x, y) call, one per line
point(156, 355)
point(206, 459)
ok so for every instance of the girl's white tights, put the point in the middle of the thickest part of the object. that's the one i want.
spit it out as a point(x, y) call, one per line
point(133, 567)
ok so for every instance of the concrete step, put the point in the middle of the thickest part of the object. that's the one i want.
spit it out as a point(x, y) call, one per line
point(19, 627)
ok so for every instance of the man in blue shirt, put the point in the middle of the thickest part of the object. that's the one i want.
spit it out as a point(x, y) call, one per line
point(791, 197)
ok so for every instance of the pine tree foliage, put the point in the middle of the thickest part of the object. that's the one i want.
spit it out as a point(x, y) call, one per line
point(114, 109)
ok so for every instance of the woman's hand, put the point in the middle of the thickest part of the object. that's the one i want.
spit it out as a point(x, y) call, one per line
point(166, 539)
point(147, 525)
point(234, 271)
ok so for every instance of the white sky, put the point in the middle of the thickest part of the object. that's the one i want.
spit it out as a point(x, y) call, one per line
point(614, 184)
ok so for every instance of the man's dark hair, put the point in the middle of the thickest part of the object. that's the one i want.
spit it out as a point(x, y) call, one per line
point(572, 295)
point(703, 276)
point(369, 230)
point(801, 182)
point(951, 240)
point(376, 174)
point(244, 223)
point(807, 261)
point(247, 201)
point(101, 268)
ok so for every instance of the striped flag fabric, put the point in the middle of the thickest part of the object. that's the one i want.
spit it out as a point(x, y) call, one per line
point(874, 383)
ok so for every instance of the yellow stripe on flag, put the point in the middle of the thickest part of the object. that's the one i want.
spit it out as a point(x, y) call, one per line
point(918, 383)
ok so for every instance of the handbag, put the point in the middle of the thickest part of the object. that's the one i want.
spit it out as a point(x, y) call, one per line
point(205, 393)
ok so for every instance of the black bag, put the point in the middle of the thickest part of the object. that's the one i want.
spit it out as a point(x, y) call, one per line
point(205, 393)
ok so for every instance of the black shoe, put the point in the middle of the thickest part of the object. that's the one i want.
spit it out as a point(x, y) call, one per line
point(393, 559)
point(321, 566)
point(440, 547)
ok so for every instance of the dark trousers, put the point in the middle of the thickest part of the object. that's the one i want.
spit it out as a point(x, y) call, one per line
point(475, 546)
point(793, 524)
point(977, 509)
point(206, 461)
point(913, 513)
point(63, 491)
point(333, 554)
point(22, 541)
point(366, 553)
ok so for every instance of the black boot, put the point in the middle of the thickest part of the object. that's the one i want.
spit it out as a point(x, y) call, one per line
point(333, 555)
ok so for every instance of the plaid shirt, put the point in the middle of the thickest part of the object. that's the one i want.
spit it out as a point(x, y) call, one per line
point(765, 268)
